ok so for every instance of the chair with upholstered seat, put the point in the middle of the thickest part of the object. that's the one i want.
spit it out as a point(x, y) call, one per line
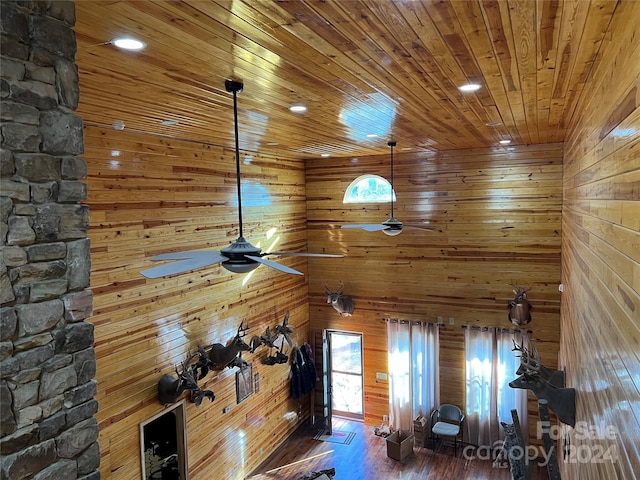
point(446, 422)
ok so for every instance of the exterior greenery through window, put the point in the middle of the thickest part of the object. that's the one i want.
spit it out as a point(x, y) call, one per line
point(369, 189)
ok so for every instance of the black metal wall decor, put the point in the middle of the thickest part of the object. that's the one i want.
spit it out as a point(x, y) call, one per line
point(275, 340)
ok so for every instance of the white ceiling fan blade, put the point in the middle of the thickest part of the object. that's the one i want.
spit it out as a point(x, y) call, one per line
point(185, 261)
point(420, 227)
point(304, 254)
point(277, 266)
point(369, 227)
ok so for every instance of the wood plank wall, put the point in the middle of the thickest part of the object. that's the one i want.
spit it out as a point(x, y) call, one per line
point(498, 217)
point(149, 195)
point(601, 259)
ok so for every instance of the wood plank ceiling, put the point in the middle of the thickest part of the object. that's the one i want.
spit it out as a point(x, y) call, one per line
point(389, 68)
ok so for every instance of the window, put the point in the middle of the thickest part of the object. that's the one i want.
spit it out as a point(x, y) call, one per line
point(414, 387)
point(369, 189)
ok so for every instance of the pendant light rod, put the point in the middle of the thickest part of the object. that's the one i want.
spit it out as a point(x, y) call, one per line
point(391, 145)
point(235, 87)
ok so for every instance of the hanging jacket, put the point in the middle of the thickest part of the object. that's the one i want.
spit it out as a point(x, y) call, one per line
point(310, 366)
point(300, 381)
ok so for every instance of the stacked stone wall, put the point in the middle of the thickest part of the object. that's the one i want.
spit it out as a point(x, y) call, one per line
point(48, 428)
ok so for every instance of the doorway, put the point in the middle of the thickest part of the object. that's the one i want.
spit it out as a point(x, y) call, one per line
point(164, 445)
point(346, 374)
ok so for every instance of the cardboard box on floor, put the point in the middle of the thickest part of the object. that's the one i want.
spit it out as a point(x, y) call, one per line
point(400, 444)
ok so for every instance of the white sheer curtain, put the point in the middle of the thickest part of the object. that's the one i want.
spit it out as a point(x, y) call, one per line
point(425, 351)
point(414, 387)
point(489, 367)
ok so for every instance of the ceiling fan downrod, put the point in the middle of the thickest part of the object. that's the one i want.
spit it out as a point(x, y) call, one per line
point(391, 144)
point(235, 87)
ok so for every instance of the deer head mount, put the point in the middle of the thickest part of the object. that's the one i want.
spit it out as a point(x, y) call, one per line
point(545, 384)
point(519, 307)
point(343, 304)
point(561, 400)
point(170, 388)
point(530, 363)
point(222, 356)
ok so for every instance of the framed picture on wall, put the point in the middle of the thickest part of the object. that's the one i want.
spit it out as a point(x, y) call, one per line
point(244, 383)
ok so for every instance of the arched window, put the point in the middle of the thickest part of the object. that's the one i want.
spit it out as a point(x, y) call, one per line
point(369, 189)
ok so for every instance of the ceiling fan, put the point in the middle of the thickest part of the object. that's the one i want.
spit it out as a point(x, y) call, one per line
point(240, 256)
point(391, 226)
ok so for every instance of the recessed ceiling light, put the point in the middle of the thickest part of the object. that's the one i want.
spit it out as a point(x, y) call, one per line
point(505, 142)
point(493, 124)
point(118, 125)
point(469, 87)
point(405, 148)
point(298, 108)
point(324, 155)
point(128, 43)
point(169, 122)
point(372, 135)
point(273, 144)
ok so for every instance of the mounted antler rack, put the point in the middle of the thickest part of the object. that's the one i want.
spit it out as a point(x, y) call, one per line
point(545, 384)
point(343, 304)
point(218, 357)
point(170, 388)
point(519, 307)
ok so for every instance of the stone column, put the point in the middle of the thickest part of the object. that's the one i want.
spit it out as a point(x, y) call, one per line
point(48, 428)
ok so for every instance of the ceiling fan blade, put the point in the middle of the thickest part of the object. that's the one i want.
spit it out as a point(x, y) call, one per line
point(304, 254)
point(369, 227)
point(185, 261)
point(420, 227)
point(277, 266)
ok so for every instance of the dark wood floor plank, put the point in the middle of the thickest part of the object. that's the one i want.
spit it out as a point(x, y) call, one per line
point(365, 458)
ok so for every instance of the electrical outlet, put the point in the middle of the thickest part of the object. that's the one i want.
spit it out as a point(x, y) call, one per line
point(451, 321)
point(226, 409)
point(385, 418)
point(381, 376)
point(440, 321)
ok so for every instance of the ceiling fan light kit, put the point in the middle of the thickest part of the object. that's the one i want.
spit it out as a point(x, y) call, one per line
point(238, 257)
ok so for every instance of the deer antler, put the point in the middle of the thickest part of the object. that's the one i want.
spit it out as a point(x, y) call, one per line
point(517, 289)
point(242, 330)
point(520, 348)
point(529, 358)
point(531, 362)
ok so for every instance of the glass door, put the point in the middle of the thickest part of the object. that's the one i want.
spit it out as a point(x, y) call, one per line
point(346, 382)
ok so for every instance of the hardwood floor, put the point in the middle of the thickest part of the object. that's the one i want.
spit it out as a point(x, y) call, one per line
point(365, 458)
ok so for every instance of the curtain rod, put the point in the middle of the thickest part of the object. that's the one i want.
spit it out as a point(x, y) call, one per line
point(414, 322)
point(514, 330)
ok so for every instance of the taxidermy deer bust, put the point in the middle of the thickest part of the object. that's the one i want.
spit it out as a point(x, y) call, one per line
point(342, 303)
point(170, 387)
point(519, 307)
